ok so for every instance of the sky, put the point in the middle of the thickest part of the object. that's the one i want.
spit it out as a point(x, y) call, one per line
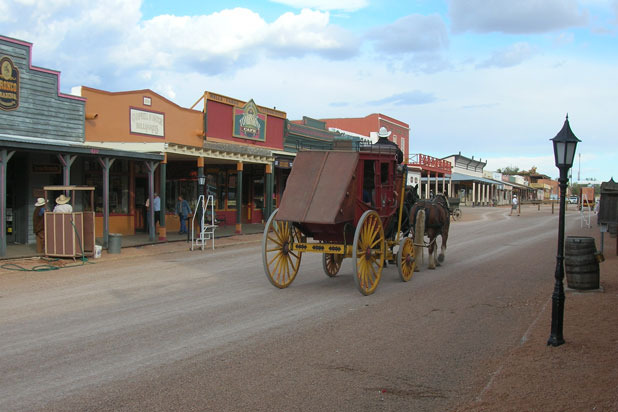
point(493, 79)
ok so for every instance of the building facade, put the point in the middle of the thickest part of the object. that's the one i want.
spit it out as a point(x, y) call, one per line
point(41, 142)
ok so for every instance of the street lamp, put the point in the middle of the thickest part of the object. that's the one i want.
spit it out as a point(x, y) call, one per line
point(565, 143)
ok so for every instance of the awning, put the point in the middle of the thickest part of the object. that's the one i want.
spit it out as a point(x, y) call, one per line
point(460, 177)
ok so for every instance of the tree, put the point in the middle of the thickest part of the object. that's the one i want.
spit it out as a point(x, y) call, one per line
point(509, 170)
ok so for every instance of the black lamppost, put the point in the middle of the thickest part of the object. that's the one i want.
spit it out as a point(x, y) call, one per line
point(565, 143)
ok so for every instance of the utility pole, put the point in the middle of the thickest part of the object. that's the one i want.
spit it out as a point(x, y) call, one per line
point(579, 168)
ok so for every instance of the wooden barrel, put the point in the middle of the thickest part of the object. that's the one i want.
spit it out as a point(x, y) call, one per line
point(580, 263)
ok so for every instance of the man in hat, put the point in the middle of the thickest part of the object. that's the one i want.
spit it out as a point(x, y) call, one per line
point(515, 203)
point(62, 204)
point(38, 224)
point(383, 135)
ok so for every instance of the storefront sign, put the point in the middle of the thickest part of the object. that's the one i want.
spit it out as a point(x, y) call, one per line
point(146, 122)
point(9, 84)
point(249, 123)
point(47, 169)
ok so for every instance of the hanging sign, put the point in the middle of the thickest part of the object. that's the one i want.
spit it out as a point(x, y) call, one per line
point(9, 84)
point(249, 123)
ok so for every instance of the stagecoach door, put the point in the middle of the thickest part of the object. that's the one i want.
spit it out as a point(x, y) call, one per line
point(386, 192)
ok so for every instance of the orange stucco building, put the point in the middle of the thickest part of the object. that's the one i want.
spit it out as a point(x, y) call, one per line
point(225, 150)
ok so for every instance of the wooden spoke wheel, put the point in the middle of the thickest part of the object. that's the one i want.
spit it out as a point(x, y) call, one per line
point(368, 252)
point(406, 260)
point(331, 263)
point(280, 261)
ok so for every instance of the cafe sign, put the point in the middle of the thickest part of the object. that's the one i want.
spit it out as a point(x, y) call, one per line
point(249, 123)
point(9, 84)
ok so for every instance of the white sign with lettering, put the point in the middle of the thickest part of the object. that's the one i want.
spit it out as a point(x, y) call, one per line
point(150, 123)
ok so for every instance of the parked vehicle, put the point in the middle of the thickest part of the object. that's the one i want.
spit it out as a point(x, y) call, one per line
point(573, 200)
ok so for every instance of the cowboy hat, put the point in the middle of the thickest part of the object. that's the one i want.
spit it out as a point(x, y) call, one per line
point(40, 201)
point(383, 132)
point(62, 199)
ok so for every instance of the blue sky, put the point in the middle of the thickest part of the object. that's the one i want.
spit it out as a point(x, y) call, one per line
point(492, 79)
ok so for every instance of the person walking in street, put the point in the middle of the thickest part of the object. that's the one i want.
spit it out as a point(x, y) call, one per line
point(514, 205)
point(183, 211)
point(38, 224)
point(62, 205)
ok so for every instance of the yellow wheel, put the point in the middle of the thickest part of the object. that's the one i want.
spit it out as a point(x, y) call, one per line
point(331, 263)
point(406, 261)
point(280, 261)
point(368, 252)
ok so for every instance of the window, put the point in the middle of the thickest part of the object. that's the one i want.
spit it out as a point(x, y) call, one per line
point(384, 173)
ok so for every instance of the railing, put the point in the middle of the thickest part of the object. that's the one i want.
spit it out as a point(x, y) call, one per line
point(206, 218)
point(429, 163)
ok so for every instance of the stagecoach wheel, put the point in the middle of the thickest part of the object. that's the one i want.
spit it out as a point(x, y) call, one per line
point(331, 263)
point(280, 261)
point(406, 260)
point(457, 214)
point(368, 252)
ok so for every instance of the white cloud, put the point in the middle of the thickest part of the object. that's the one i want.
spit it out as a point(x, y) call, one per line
point(413, 43)
point(511, 56)
point(73, 34)
point(521, 16)
point(413, 33)
point(343, 5)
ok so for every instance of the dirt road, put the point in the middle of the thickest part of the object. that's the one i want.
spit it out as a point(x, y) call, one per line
point(207, 331)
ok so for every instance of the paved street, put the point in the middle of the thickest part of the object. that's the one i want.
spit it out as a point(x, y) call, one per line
point(207, 331)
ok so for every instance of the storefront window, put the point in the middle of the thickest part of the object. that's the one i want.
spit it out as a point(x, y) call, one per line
point(231, 190)
point(258, 192)
point(118, 185)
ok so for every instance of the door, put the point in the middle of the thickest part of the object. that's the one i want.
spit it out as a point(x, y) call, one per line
point(141, 194)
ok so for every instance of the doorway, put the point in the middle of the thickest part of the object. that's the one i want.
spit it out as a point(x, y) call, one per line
point(141, 194)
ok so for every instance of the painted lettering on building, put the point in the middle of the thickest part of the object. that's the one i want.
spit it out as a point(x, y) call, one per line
point(9, 84)
point(146, 122)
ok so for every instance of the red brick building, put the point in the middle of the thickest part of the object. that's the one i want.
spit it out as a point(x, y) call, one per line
point(369, 126)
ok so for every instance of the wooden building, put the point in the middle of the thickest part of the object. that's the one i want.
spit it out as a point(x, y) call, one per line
point(41, 142)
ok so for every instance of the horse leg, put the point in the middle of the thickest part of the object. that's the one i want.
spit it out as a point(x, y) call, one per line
point(444, 236)
point(432, 250)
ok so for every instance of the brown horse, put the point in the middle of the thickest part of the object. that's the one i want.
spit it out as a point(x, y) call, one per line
point(437, 222)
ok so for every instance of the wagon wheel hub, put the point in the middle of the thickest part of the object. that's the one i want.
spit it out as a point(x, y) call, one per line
point(409, 260)
point(286, 248)
point(368, 253)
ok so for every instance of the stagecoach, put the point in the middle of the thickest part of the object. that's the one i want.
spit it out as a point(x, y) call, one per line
point(341, 204)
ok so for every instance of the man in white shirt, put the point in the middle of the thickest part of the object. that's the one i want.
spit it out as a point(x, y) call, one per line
point(514, 206)
point(62, 205)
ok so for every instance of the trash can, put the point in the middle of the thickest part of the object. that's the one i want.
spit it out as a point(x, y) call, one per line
point(114, 243)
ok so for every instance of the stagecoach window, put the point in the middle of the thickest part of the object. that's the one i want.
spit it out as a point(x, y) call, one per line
point(368, 181)
point(384, 173)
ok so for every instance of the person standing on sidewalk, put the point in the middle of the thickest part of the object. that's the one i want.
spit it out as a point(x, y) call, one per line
point(183, 211)
point(157, 209)
point(515, 204)
point(38, 224)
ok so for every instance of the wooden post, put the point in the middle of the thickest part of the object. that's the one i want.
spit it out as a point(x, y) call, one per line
point(239, 168)
point(268, 191)
point(162, 194)
point(151, 166)
point(5, 156)
point(106, 163)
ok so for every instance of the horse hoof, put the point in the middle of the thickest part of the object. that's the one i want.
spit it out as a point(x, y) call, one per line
point(431, 267)
point(440, 258)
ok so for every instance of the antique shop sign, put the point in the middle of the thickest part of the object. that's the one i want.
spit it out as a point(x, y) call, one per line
point(9, 84)
point(146, 122)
